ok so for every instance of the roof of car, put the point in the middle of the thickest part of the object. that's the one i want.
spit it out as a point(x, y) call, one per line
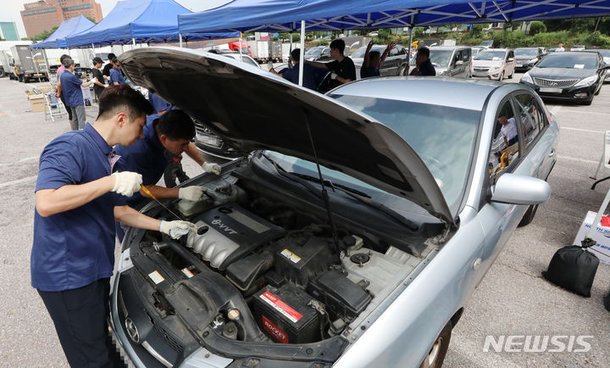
point(457, 93)
point(449, 47)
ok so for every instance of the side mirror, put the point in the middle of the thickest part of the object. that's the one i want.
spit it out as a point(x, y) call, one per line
point(459, 63)
point(519, 189)
point(510, 59)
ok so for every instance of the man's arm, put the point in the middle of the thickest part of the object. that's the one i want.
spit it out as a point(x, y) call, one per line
point(53, 201)
point(130, 217)
point(365, 62)
point(386, 52)
point(161, 192)
point(193, 152)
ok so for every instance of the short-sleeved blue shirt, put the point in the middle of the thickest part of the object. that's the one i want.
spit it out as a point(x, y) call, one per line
point(76, 247)
point(146, 156)
point(70, 87)
point(312, 76)
point(116, 76)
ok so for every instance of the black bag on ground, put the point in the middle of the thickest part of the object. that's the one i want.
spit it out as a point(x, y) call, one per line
point(607, 301)
point(573, 268)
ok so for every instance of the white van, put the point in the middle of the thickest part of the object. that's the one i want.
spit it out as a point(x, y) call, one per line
point(494, 64)
point(451, 61)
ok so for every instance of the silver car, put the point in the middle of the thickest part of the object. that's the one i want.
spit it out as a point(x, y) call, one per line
point(351, 233)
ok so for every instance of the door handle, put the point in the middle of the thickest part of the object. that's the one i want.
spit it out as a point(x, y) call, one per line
point(552, 154)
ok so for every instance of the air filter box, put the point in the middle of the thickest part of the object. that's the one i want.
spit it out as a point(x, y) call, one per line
point(300, 259)
point(285, 316)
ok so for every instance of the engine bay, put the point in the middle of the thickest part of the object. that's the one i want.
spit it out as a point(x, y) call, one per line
point(261, 270)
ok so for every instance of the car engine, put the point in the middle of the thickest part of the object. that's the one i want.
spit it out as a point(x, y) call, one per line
point(268, 272)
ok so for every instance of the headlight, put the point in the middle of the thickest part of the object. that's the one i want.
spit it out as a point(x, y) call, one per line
point(527, 78)
point(587, 81)
point(532, 61)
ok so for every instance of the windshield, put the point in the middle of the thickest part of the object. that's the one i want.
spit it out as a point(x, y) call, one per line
point(526, 53)
point(360, 52)
point(440, 58)
point(491, 55)
point(443, 137)
point(583, 60)
point(604, 53)
point(315, 51)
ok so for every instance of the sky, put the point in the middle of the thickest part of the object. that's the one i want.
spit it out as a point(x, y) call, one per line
point(11, 9)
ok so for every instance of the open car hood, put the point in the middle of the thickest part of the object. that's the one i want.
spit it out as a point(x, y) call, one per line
point(253, 109)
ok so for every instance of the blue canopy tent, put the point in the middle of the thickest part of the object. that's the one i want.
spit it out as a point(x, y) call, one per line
point(134, 21)
point(330, 15)
point(57, 40)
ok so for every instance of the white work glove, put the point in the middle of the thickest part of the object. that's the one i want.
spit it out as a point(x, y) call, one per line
point(193, 193)
point(211, 167)
point(126, 183)
point(333, 75)
point(176, 229)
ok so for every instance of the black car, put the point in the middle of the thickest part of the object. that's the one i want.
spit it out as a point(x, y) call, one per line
point(527, 57)
point(568, 76)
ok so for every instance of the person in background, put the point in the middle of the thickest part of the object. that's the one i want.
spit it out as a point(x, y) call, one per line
point(312, 76)
point(373, 60)
point(508, 130)
point(423, 65)
point(116, 75)
point(560, 48)
point(98, 82)
point(71, 87)
point(107, 67)
point(77, 201)
point(58, 93)
point(342, 68)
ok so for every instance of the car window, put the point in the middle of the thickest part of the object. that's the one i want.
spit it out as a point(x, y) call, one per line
point(531, 117)
point(505, 143)
point(466, 53)
point(581, 60)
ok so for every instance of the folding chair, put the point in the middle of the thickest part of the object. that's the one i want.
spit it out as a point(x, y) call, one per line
point(55, 108)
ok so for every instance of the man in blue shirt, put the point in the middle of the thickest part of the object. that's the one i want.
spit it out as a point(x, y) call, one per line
point(77, 202)
point(71, 89)
point(312, 76)
point(116, 75)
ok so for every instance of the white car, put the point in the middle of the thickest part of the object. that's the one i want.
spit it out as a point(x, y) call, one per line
point(494, 64)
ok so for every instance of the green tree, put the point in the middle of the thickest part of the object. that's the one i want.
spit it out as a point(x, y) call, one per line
point(537, 27)
point(43, 35)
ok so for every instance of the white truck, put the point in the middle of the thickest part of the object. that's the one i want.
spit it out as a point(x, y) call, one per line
point(28, 64)
point(264, 51)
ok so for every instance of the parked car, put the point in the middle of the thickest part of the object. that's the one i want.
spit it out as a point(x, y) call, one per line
point(605, 53)
point(452, 61)
point(317, 53)
point(240, 57)
point(568, 76)
point(494, 64)
point(577, 48)
point(395, 63)
point(351, 233)
point(527, 57)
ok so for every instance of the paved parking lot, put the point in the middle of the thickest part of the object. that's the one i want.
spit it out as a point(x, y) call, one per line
point(513, 299)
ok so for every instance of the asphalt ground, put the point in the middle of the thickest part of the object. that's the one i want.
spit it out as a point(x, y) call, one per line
point(512, 299)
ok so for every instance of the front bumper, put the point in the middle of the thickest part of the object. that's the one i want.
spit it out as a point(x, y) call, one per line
point(570, 94)
point(487, 73)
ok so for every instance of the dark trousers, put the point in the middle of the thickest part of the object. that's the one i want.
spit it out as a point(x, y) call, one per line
point(80, 319)
point(61, 97)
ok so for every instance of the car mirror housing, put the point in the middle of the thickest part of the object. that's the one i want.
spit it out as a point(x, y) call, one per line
point(459, 62)
point(519, 189)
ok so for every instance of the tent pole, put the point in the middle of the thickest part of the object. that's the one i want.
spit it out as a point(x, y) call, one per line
point(46, 63)
point(302, 53)
point(180, 38)
point(409, 50)
point(239, 47)
point(134, 41)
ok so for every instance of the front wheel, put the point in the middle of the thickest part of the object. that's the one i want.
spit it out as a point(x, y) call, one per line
point(529, 215)
point(439, 349)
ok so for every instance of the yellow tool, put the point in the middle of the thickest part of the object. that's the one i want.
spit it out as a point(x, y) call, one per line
point(149, 193)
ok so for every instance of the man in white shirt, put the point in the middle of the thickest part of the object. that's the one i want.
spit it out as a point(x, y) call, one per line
point(560, 48)
point(508, 130)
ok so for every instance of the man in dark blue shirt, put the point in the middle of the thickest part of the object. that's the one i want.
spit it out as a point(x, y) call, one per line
point(71, 89)
point(312, 76)
point(423, 66)
point(116, 75)
point(77, 202)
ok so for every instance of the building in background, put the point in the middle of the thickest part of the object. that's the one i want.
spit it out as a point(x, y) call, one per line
point(8, 31)
point(41, 16)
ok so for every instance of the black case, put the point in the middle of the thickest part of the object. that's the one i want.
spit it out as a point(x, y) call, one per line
point(342, 297)
point(573, 268)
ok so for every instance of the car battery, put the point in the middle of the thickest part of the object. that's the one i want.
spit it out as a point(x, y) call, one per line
point(284, 314)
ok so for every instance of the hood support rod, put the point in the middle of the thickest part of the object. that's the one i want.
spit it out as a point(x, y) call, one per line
point(324, 191)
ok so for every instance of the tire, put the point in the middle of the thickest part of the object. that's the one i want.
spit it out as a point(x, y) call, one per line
point(599, 89)
point(528, 217)
point(501, 77)
point(439, 349)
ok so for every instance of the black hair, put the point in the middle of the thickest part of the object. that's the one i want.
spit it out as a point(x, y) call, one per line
point(123, 98)
point(338, 44)
point(62, 57)
point(176, 124)
point(97, 60)
point(423, 51)
point(295, 54)
point(111, 56)
point(374, 54)
point(67, 62)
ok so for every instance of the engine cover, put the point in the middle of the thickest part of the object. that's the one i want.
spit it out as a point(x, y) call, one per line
point(228, 232)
